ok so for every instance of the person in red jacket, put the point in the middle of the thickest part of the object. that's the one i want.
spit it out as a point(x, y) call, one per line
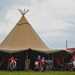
point(12, 63)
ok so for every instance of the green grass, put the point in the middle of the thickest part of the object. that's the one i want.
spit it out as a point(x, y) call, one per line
point(36, 73)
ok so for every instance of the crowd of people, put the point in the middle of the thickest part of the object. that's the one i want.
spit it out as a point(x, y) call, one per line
point(41, 64)
point(54, 64)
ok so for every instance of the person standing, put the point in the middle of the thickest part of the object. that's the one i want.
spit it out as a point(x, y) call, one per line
point(39, 62)
point(43, 63)
point(12, 63)
point(27, 63)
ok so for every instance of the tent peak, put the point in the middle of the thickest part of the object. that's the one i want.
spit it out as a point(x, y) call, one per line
point(23, 12)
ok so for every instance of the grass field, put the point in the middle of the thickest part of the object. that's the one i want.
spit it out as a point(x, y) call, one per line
point(36, 73)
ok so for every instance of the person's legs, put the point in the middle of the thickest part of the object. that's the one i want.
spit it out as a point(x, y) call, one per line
point(12, 65)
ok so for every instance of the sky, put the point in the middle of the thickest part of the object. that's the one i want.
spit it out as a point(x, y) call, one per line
point(53, 20)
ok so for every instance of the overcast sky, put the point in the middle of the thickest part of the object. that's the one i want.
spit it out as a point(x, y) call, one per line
point(53, 20)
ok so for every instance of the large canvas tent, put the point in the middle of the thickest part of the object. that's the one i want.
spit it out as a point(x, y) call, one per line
point(23, 37)
point(21, 42)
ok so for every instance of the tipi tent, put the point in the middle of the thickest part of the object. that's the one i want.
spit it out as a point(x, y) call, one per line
point(23, 37)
